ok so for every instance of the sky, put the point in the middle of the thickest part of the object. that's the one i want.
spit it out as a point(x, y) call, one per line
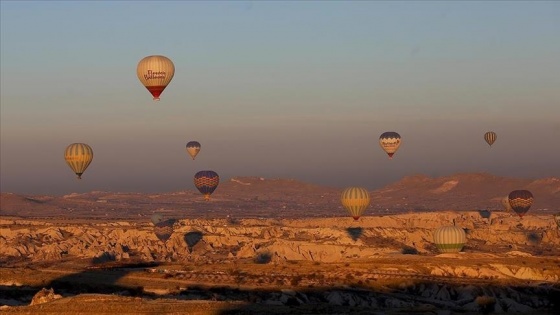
point(277, 89)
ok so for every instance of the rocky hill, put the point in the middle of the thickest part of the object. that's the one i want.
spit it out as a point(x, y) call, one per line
point(320, 240)
point(246, 197)
point(279, 266)
point(466, 192)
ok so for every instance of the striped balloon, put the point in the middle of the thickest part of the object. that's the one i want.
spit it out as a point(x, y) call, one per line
point(206, 182)
point(155, 73)
point(193, 147)
point(450, 239)
point(520, 201)
point(390, 142)
point(490, 137)
point(78, 156)
point(355, 200)
point(164, 229)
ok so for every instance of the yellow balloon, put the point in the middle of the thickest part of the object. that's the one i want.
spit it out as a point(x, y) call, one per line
point(450, 239)
point(355, 200)
point(78, 156)
point(155, 73)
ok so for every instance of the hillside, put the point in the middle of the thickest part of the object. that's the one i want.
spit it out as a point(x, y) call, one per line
point(287, 198)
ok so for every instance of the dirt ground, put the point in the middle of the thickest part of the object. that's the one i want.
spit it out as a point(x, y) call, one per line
point(233, 288)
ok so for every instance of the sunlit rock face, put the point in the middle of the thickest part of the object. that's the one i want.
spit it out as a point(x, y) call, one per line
point(318, 240)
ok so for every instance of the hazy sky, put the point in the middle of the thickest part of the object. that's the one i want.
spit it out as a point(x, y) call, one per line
point(277, 89)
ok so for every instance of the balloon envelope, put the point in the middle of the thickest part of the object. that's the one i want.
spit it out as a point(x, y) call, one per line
point(390, 142)
point(490, 137)
point(156, 218)
point(164, 229)
point(78, 156)
point(206, 182)
point(155, 72)
point(520, 201)
point(193, 147)
point(355, 200)
point(450, 239)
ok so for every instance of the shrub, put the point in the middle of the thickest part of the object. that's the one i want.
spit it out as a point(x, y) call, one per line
point(407, 250)
point(296, 280)
point(263, 258)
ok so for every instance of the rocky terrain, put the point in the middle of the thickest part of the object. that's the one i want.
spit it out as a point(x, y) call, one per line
point(508, 264)
point(255, 197)
point(320, 240)
point(282, 247)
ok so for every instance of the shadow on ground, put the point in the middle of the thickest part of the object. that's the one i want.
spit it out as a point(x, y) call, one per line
point(293, 294)
point(192, 238)
point(355, 232)
point(418, 298)
point(421, 297)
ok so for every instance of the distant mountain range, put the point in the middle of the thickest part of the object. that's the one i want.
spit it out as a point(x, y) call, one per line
point(264, 197)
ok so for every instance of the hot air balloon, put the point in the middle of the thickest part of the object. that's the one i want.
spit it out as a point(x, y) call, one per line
point(355, 200)
point(490, 137)
point(155, 73)
point(78, 156)
point(164, 229)
point(193, 147)
point(206, 182)
point(156, 218)
point(450, 239)
point(520, 201)
point(505, 203)
point(390, 142)
point(557, 219)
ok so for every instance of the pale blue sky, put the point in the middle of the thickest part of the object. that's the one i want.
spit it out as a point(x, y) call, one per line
point(277, 89)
